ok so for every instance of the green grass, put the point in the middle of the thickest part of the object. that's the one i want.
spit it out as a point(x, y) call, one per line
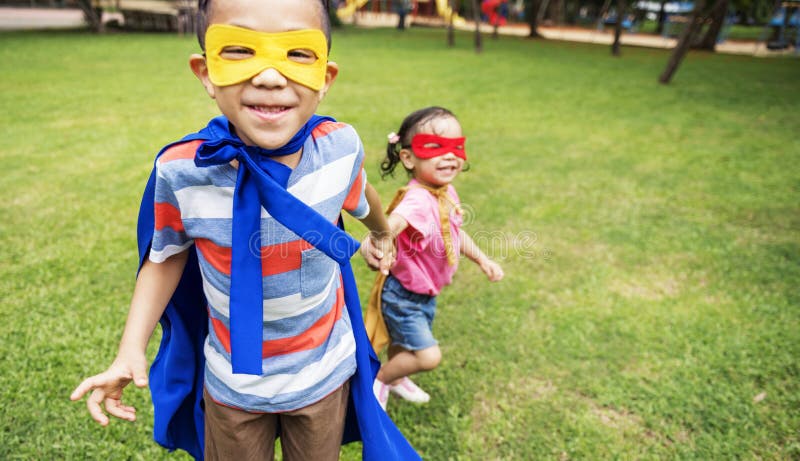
point(650, 235)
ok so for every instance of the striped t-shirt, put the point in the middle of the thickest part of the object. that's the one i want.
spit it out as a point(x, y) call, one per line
point(308, 349)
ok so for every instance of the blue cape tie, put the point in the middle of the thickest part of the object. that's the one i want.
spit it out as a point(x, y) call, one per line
point(260, 181)
point(176, 375)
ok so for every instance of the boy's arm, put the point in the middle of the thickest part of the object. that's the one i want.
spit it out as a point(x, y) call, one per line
point(378, 247)
point(154, 287)
point(468, 247)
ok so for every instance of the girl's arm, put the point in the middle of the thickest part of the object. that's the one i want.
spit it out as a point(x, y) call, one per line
point(154, 287)
point(469, 249)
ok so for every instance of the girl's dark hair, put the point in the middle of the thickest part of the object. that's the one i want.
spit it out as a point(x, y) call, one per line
point(204, 9)
point(410, 126)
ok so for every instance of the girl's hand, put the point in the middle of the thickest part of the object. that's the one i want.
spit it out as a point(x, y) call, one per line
point(107, 389)
point(378, 251)
point(492, 270)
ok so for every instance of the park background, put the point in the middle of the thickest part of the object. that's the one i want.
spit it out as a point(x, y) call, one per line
point(650, 235)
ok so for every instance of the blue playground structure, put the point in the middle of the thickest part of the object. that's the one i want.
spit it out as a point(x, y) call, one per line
point(676, 17)
point(629, 22)
point(782, 26)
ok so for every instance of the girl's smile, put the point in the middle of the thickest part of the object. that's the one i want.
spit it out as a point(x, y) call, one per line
point(436, 171)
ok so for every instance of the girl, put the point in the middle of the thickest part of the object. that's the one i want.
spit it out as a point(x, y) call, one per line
point(426, 219)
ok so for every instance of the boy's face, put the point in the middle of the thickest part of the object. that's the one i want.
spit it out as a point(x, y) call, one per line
point(268, 108)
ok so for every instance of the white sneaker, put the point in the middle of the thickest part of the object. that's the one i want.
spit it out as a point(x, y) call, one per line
point(381, 392)
point(407, 390)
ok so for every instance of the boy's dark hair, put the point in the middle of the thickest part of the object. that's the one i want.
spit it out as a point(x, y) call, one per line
point(204, 7)
point(408, 129)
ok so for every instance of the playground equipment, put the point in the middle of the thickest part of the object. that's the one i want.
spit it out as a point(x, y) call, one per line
point(151, 15)
point(629, 21)
point(349, 9)
point(443, 9)
point(491, 9)
point(781, 24)
point(676, 18)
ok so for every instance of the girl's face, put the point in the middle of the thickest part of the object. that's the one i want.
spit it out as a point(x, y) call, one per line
point(437, 171)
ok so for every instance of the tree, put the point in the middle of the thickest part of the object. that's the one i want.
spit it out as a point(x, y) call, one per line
point(532, 15)
point(476, 16)
point(662, 16)
point(451, 30)
point(717, 17)
point(621, 11)
point(93, 15)
point(683, 44)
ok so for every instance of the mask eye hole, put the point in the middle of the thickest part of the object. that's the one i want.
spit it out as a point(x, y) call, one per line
point(235, 53)
point(431, 145)
point(302, 56)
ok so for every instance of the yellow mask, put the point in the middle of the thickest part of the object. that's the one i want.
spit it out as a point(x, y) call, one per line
point(235, 54)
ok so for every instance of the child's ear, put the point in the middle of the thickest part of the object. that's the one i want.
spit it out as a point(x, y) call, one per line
point(197, 62)
point(331, 72)
point(407, 157)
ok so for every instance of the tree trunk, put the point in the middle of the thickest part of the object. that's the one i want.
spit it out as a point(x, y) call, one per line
point(451, 31)
point(532, 15)
point(683, 44)
point(662, 16)
point(560, 12)
point(476, 16)
point(545, 4)
point(93, 16)
point(717, 16)
point(601, 16)
point(621, 11)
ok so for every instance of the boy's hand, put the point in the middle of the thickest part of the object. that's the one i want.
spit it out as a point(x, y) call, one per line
point(378, 251)
point(107, 389)
point(492, 270)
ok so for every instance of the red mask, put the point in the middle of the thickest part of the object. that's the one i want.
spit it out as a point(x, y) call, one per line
point(427, 146)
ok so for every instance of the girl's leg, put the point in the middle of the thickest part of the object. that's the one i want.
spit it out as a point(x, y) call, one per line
point(403, 363)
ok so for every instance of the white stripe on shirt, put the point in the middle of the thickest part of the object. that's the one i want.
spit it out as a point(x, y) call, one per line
point(213, 202)
point(162, 255)
point(270, 386)
point(274, 308)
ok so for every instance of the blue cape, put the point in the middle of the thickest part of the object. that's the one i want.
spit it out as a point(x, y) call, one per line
point(176, 375)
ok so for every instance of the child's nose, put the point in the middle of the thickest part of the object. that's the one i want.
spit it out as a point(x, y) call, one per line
point(269, 78)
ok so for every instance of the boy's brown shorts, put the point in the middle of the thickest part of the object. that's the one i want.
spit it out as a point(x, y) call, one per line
point(310, 433)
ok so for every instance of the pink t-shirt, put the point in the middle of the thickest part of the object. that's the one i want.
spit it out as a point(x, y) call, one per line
point(421, 257)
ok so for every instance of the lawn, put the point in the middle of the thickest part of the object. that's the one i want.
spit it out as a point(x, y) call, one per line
point(650, 237)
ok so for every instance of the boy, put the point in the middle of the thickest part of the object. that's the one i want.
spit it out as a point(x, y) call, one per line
point(279, 333)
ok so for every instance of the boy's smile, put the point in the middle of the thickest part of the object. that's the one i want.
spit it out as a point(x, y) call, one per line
point(267, 109)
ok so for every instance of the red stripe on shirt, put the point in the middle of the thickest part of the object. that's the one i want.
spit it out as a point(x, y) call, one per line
point(283, 257)
point(326, 128)
point(167, 215)
point(184, 151)
point(354, 196)
point(312, 338)
point(219, 257)
point(275, 259)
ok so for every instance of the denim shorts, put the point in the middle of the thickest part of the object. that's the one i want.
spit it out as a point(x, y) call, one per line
point(408, 316)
